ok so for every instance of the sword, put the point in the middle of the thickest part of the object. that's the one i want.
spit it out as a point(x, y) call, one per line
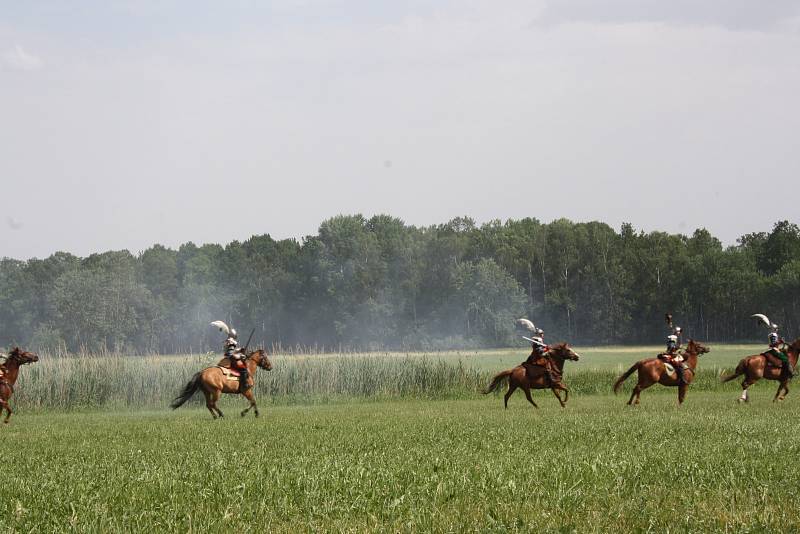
point(248, 341)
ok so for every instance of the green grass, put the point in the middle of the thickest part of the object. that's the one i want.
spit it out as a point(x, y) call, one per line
point(410, 465)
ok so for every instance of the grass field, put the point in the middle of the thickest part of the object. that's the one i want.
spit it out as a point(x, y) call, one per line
point(454, 465)
point(429, 455)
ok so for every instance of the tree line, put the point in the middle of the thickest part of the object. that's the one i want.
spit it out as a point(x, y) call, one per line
point(375, 283)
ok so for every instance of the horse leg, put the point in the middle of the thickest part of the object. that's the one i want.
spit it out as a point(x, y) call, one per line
point(216, 396)
point(682, 389)
point(249, 396)
point(511, 389)
point(745, 396)
point(211, 403)
point(528, 395)
point(635, 395)
point(5, 405)
point(781, 387)
point(555, 391)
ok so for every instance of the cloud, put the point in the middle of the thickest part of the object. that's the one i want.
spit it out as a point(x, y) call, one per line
point(729, 14)
point(19, 59)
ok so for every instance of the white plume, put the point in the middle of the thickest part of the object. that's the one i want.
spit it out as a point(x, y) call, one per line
point(222, 327)
point(526, 325)
point(764, 319)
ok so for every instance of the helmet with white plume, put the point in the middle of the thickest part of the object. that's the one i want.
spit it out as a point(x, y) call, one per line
point(230, 332)
point(765, 320)
point(537, 334)
point(525, 324)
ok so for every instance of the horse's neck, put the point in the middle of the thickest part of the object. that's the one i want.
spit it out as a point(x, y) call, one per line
point(691, 360)
point(793, 355)
point(251, 365)
point(559, 361)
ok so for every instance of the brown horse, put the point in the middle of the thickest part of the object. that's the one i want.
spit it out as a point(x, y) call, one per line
point(214, 381)
point(8, 376)
point(755, 367)
point(518, 377)
point(654, 371)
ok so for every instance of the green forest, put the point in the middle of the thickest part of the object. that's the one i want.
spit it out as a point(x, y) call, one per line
point(378, 283)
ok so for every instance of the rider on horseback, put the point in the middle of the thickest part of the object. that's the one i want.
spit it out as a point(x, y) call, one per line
point(776, 355)
point(672, 354)
point(235, 354)
point(540, 353)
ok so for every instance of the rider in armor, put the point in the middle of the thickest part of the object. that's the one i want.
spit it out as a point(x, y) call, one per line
point(672, 353)
point(777, 356)
point(540, 355)
point(235, 354)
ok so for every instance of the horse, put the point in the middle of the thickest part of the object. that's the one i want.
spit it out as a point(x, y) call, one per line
point(213, 381)
point(755, 367)
point(8, 376)
point(654, 371)
point(518, 376)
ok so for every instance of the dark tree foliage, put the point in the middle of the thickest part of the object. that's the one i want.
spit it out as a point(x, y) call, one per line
point(379, 283)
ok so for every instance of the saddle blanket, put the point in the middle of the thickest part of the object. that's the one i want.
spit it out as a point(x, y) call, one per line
point(230, 374)
point(670, 370)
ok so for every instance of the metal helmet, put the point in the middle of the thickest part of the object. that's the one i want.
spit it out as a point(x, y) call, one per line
point(233, 334)
point(773, 338)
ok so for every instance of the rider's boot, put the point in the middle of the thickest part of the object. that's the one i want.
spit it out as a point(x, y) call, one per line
point(786, 371)
point(550, 374)
point(243, 380)
point(680, 370)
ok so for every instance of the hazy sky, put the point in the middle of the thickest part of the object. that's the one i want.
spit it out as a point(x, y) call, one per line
point(124, 124)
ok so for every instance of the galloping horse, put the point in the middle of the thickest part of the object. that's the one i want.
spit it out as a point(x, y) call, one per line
point(214, 381)
point(755, 367)
point(654, 371)
point(518, 376)
point(8, 376)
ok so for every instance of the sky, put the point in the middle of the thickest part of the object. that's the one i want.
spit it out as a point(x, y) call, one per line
point(124, 124)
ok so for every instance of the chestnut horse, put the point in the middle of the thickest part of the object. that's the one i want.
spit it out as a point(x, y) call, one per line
point(8, 376)
point(518, 377)
point(755, 367)
point(654, 371)
point(214, 381)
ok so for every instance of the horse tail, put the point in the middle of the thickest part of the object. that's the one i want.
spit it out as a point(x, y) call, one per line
point(188, 390)
point(740, 369)
point(497, 380)
point(629, 372)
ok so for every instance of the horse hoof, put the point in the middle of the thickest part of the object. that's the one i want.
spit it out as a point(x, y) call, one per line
point(243, 414)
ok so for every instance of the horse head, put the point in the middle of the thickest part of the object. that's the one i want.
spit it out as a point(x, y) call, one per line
point(565, 352)
point(22, 356)
point(697, 348)
point(262, 360)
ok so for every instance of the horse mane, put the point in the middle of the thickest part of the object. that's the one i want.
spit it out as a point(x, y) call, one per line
point(559, 346)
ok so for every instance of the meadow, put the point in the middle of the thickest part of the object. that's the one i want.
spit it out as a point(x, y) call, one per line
point(429, 455)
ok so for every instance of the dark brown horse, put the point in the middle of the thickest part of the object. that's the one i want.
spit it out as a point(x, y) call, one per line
point(654, 371)
point(214, 381)
point(8, 376)
point(755, 367)
point(535, 376)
